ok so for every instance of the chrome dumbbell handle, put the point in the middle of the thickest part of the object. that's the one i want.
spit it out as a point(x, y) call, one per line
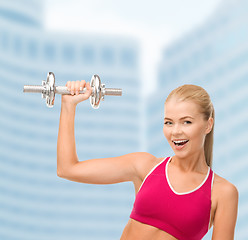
point(40, 89)
point(113, 91)
point(63, 90)
point(48, 90)
point(33, 89)
point(108, 91)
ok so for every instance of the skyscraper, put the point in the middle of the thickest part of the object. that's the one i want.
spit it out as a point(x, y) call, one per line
point(34, 202)
point(214, 56)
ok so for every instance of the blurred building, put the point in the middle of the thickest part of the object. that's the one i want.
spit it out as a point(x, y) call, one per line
point(34, 202)
point(214, 56)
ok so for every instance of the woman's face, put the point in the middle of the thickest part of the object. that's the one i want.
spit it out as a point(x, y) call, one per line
point(184, 127)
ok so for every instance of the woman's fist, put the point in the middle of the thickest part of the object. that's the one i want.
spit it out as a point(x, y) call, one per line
point(75, 87)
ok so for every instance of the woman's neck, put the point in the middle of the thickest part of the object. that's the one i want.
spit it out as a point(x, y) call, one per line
point(193, 163)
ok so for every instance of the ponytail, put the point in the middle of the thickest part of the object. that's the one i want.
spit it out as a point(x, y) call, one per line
point(208, 145)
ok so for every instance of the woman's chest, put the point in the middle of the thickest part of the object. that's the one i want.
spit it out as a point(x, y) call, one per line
point(158, 199)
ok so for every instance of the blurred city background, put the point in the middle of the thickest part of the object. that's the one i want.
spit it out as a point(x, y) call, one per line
point(145, 48)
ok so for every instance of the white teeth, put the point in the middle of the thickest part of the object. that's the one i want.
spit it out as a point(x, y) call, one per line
point(180, 141)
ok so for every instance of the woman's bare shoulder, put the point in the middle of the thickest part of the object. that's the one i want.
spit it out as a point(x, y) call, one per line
point(223, 188)
point(225, 216)
point(144, 162)
point(147, 158)
point(143, 158)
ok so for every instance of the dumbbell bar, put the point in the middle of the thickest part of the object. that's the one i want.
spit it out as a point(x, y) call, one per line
point(48, 90)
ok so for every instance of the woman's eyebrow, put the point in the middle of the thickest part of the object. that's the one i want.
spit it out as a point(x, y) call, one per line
point(167, 118)
point(180, 118)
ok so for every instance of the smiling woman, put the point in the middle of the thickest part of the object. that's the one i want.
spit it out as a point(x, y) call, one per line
point(177, 197)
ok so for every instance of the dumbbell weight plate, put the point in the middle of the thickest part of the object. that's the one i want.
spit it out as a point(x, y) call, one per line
point(50, 96)
point(96, 95)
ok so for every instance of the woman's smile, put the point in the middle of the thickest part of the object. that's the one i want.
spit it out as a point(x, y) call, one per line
point(180, 144)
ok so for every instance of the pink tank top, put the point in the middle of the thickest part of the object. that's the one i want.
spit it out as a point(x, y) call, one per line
point(186, 216)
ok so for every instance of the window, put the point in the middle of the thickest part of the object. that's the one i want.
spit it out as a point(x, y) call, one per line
point(88, 55)
point(68, 53)
point(32, 49)
point(128, 58)
point(108, 56)
point(49, 51)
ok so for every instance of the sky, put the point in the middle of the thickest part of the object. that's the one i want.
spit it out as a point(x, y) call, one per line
point(154, 23)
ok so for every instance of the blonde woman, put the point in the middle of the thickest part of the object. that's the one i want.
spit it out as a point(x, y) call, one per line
point(177, 197)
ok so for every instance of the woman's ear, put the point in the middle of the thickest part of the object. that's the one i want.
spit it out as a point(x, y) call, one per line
point(209, 125)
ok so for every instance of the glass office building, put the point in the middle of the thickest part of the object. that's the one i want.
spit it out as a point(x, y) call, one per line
point(214, 56)
point(34, 202)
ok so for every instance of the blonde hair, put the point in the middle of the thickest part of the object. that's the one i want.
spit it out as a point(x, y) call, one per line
point(199, 95)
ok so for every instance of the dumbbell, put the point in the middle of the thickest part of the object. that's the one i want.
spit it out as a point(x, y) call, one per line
point(48, 90)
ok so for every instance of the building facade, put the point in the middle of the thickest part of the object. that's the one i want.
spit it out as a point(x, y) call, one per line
point(34, 202)
point(214, 56)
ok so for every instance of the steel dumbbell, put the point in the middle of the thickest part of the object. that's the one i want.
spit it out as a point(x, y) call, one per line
point(48, 90)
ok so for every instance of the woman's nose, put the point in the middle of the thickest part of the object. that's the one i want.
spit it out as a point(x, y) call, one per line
point(176, 129)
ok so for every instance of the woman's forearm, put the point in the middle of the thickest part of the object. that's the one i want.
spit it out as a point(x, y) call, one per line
point(66, 146)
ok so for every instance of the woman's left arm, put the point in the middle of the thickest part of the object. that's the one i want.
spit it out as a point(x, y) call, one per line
point(226, 213)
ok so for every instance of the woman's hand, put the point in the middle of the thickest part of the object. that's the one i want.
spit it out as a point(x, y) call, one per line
point(74, 87)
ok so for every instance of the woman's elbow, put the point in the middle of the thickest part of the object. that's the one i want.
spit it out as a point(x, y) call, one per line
point(60, 173)
point(65, 173)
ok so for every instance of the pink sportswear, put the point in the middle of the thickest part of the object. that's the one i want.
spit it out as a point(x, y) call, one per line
point(186, 216)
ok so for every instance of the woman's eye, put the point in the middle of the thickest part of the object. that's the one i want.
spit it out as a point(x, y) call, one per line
point(187, 122)
point(168, 123)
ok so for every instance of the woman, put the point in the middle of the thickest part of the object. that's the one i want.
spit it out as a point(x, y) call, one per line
point(177, 197)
